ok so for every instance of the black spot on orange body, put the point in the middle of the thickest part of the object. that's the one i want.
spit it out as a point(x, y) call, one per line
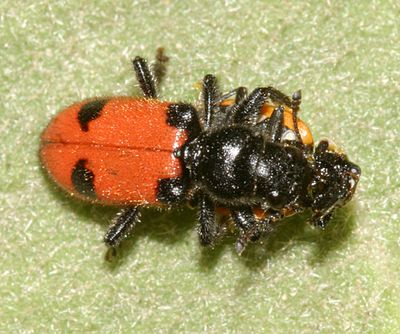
point(89, 112)
point(83, 179)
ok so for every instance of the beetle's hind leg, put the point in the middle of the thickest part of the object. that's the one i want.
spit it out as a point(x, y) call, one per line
point(122, 225)
point(145, 77)
point(208, 228)
point(160, 66)
point(149, 81)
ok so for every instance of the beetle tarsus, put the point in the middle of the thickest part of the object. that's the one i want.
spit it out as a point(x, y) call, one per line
point(160, 66)
point(210, 95)
point(276, 124)
point(122, 226)
point(145, 77)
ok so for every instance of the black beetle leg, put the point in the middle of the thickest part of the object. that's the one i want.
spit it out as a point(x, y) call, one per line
point(159, 67)
point(145, 77)
point(122, 225)
point(250, 227)
point(249, 109)
point(149, 80)
point(246, 223)
point(276, 125)
point(208, 228)
point(240, 94)
point(210, 95)
point(216, 110)
point(277, 97)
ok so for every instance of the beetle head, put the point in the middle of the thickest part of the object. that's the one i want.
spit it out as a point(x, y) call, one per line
point(334, 182)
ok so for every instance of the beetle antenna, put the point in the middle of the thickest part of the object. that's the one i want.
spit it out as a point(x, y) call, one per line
point(295, 105)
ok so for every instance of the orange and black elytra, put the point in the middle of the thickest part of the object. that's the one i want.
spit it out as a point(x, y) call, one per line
point(117, 157)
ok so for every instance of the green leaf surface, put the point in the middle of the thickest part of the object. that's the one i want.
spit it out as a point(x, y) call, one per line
point(345, 56)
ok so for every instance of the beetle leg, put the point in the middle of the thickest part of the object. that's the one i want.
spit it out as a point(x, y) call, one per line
point(275, 125)
point(159, 67)
point(277, 97)
point(145, 78)
point(245, 222)
point(210, 96)
point(208, 228)
point(215, 110)
point(249, 109)
point(122, 225)
point(240, 94)
point(251, 228)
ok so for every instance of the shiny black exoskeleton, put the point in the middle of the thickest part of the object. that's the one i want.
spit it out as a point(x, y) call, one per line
point(236, 166)
point(235, 161)
point(241, 164)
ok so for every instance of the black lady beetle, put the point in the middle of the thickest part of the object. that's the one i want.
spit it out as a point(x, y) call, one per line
point(233, 154)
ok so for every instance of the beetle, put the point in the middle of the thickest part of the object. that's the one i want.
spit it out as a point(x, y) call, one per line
point(231, 153)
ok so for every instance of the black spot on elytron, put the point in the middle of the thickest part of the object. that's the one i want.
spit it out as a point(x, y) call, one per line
point(171, 190)
point(89, 112)
point(82, 179)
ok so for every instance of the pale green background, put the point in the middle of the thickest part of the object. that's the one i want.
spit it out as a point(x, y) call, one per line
point(345, 55)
